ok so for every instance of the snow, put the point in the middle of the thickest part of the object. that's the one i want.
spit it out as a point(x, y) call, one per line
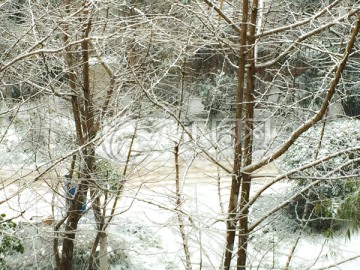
point(145, 230)
point(158, 244)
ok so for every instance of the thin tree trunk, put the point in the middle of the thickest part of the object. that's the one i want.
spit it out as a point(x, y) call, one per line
point(179, 200)
point(231, 222)
point(84, 122)
point(103, 257)
point(178, 210)
point(70, 233)
point(100, 219)
point(248, 141)
point(73, 215)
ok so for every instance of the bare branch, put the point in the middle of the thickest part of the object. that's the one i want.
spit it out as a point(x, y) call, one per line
point(311, 122)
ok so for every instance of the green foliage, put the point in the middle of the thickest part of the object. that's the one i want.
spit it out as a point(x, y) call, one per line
point(332, 199)
point(350, 88)
point(352, 106)
point(9, 243)
point(108, 174)
point(320, 208)
point(217, 95)
point(350, 209)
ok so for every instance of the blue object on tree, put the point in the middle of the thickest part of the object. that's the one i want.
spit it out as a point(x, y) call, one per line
point(71, 193)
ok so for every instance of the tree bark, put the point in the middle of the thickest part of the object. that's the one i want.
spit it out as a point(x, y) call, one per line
point(103, 257)
point(232, 221)
point(248, 141)
point(84, 123)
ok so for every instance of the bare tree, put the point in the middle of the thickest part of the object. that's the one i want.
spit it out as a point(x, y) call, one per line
point(78, 72)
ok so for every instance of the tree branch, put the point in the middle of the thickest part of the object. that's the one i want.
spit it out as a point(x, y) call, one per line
point(300, 23)
point(222, 15)
point(304, 37)
point(311, 122)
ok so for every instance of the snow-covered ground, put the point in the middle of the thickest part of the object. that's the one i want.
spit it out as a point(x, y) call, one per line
point(145, 234)
point(147, 230)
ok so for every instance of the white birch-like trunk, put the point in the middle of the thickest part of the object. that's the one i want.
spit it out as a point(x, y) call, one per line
point(258, 26)
point(103, 254)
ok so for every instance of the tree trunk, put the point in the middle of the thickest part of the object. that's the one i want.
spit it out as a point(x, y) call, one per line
point(239, 180)
point(104, 262)
point(70, 233)
point(231, 222)
point(248, 141)
point(85, 130)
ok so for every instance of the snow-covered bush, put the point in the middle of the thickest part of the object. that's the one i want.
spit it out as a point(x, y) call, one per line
point(217, 96)
point(36, 132)
point(338, 135)
point(9, 244)
point(131, 246)
point(321, 206)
